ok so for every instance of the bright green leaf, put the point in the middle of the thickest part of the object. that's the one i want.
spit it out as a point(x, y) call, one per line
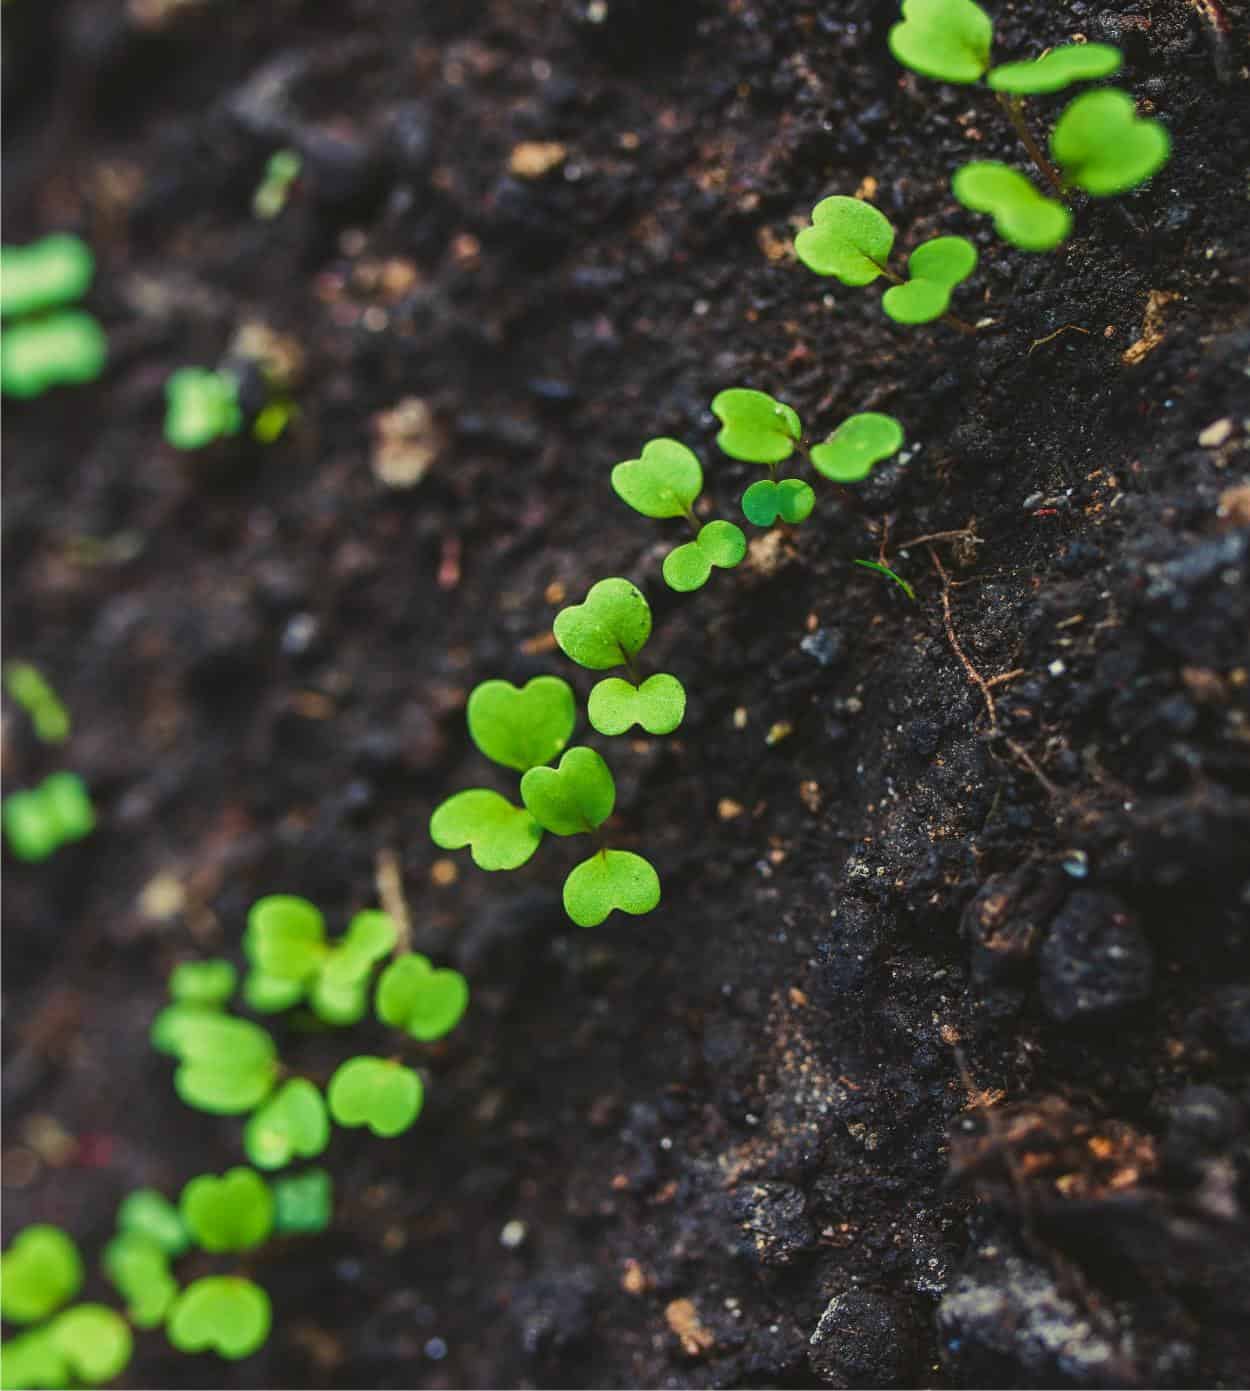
point(425, 1002)
point(610, 879)
point(32, 832)
point(228, 1066)
point(377, 1093)
point(946, 39)
point(65, 348)
point(499, 835)
point(791, 499)
point(754, 426)
point(658, 704)
point(28, 687)
point(1104, 147)
point(150, 1214)
point(286, 937)
point(65, 795)
point(890, 575)
point(221, 1314)
point(607, 628)
point(270, 994)
point(664, 482)
point(370, 936)
point(861, 441)
point(1061, 67)
point(720, 544)
point(33, 1362)
point(208, 984)
point(522, 727)
point(573, 798)
point(139, 1269)
point(292, 1124)
point(95, 1342)
point(44, 274)
point(303, 1203)
point(201, 406)
point(1022, 216)
point(39, 1272)
point(233, 1212)
point(936, 267)
point(339, 1004)
point(848, 239)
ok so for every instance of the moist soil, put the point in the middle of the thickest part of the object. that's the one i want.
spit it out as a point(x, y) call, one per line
point(930, 1069)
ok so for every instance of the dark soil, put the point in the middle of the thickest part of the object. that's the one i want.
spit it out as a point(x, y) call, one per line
point(930, 1070)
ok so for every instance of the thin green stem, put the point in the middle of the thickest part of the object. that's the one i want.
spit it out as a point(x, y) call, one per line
point(689, 513)
point(1014, 107)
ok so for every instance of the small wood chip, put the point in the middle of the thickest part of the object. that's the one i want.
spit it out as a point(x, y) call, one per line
point(531, 159)
point(1151, 329)
point(683, 1318)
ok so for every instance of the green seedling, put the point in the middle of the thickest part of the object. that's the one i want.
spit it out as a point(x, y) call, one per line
point(40, 1272)
point(149, 1214)
point(375, 1092)
point(27, 686)
point(658, 704)
point(889, 574)
point(766, 502)
point(521, 727)
point(719, 545)
point(209, 984)
point(226, 1065)
point(1060, 68)
point(281, 171)
point(1022, 216)
point(45, 274)
point(856, 446)
point(1102, 146)
point(139, 1270)
point(754, 427)
point(65, 348)
point(233, 1212)
point(424, 1002)
point(201, 407)
point(224, 1314)
point(946, 39)
point(609, 629)
point(665, 482)
point(303, 1203)
point(498, 834)
point(292, 1124)
point(610, 879)
point(42, 819)
point(94, 1342)
point(32, 1362)
point(851, 240)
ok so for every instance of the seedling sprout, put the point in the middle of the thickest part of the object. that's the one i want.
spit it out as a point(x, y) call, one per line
point(376, 1093)
point(425, 1002)
point(1022, 216)
point(28, 687)
point(201, 407)
point(233, 1212)
point(292, 1123)
point(41, 819)
point(856, 446)
point(225, 1314)
point(303, 1203)
point(40, 1272)
point(889, 574)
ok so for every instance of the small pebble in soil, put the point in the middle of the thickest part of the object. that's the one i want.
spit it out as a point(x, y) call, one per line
point(863, 1339)
point(825, 646)
point(1095, 959)
point(771, 1217)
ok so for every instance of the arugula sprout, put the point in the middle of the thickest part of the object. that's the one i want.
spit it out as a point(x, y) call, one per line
point(303, 1203)
point(149, 1214)
point(201, 407)
point(233, 1212)
point(889, 574)
point(44, 274)
point(28, 687)
point(498, 834)
point(375, 1092)
point(226, 1065)
point(717, 544)
point(754, 427)
point(608, 629)
point(1104, 147)
point(64, 348)
point(40, 1271)
point(292, 1123)
point(424, 1002)
point(851, 240)
point(946, 39)
point(93, 1341)
point(139, 1270)
point(859, 443)
point(225, 1314)
point(1022, 216)
point(1056, 69)
point(658, 704)
point(791, 500)
point(521, 727)
point(282, 168)
point(610, 879)
point(41, 819)
point(209, 984)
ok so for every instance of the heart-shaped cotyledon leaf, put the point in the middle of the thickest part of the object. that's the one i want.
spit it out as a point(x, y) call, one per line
point(139, 1269)
point(425, 1002)
point(791, 500)
point(607, 628)
point(285, 937)
point(220, 1313)
point(1101, 144)
point(377, 1093)
point(1022, 216)
point(228, 1065)
point(270, 994)
point(64, 348)
point(38, 1273)
point(339, 1003)
point(522, 727)
point(43, 274)
point(230, 1213)
point(946, 39)
point(499, 835)
point(370, 936)
point(755, 427)
point(935, 267)
point(206, 983)
point(292, 1124)
point(848, 239)
point(573, 798)
point(33, 1359)
point(150, 1214)
point(609, 880)
point(1061, 67)
point(658, 704)
point(95, 1342)
point(663, 482)
point(303, 1203)
point(718, 544)
point(861, 441)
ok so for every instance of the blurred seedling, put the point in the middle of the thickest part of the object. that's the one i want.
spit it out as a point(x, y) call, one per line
point(28, 687)
point(758, 429)
point(201, 407)
point(890, 575)
point(45, 343)
point(39, 820)
point(282, 169)
point(609, 628)
point(851, 241)
point(1099, 143)
point(666, 482)
point(860, 443)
